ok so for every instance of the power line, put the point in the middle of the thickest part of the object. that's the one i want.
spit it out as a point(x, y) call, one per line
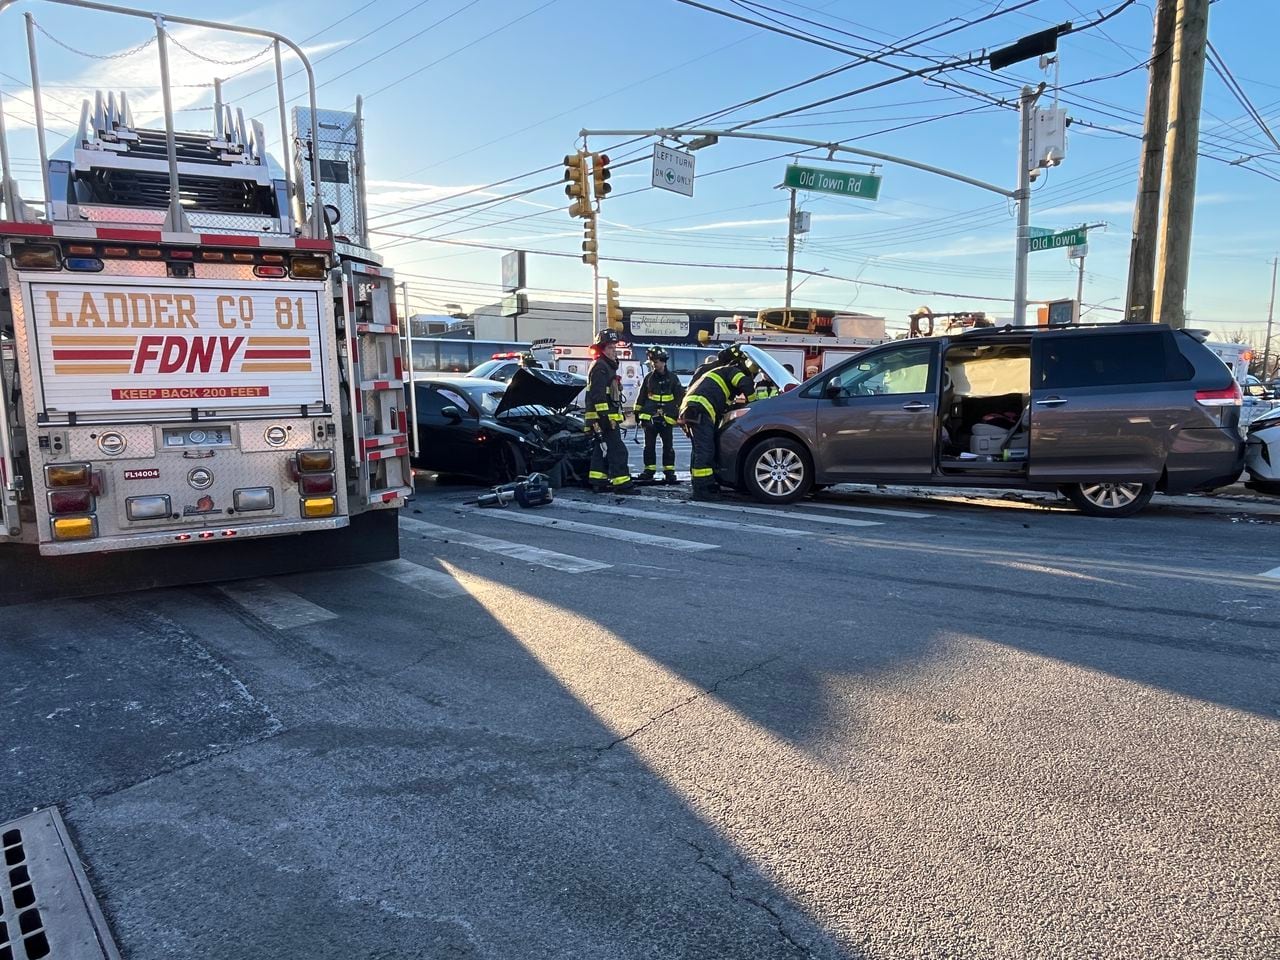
point(466, 46)
point(1224, 72)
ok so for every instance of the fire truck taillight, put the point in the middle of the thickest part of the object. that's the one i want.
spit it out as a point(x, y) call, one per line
point(182, 254)
point(310, 483)
point(67, 475)
point(150, 253)
point(213, 256)
point(307, 268)
point(37, 256)
point(318, 506)
point(265, 271)
point(314, 461)
point(74, 528)
point(70, 501)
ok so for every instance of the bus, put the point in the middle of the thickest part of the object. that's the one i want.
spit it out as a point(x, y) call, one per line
point(456, 357)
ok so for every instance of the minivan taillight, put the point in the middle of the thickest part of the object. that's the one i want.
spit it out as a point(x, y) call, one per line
point(1231, 396)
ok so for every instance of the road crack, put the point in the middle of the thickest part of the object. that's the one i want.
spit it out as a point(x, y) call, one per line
point(737, 894)
point(714, 688)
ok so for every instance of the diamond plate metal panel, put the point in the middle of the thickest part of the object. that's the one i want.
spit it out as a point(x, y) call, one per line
point(249, 462)
point(338, 152)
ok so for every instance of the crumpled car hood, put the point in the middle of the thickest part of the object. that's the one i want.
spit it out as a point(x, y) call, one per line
point(537, 386)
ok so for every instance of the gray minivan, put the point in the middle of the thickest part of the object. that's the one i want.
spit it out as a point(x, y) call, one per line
point(1106, 414)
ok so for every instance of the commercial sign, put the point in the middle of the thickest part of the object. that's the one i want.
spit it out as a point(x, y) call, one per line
point(673, 170)
point(659, 325)
point(865, 186)
point(513, 271)
point(113, 346)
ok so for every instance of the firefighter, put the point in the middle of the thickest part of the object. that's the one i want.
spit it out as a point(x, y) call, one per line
point(608, 470)
point(705, 404)
point(656, 407)
point(765, 389)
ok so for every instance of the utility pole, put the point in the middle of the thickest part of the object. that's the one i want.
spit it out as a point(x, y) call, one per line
point(1271, 307)
point(1146, 208)
point(791, 246)
point(1080, 286)
point(1026, 116)
point(1182, 143)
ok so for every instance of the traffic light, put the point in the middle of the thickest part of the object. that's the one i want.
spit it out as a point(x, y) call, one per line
point(589, 247)
point(612, 309)
point(575, 188)
point(600, 175)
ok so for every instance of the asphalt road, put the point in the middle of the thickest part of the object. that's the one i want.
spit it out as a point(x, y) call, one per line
point(875, 726)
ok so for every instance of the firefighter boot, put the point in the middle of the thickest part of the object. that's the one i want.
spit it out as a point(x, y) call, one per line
point(670, 477)
point(706, 491)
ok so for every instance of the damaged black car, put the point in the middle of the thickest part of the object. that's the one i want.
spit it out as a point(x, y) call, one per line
point(493, 432)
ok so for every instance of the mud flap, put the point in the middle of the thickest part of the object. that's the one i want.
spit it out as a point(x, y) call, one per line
point(25, 576)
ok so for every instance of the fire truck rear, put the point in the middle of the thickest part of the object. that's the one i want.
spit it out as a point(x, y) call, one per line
point(197, 344)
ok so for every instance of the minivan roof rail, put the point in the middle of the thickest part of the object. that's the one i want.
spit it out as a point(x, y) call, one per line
point(1010, 328)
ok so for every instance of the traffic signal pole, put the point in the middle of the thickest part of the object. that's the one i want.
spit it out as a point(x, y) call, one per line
point(595, 296)
point(1020, 282)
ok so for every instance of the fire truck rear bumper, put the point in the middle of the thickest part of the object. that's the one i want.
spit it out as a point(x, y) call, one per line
point(189, 537)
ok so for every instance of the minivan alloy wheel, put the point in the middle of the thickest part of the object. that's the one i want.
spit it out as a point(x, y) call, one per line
point(779, 471)
point(1111, 496)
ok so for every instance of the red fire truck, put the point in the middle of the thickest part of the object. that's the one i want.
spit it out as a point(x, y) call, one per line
point(198, 347)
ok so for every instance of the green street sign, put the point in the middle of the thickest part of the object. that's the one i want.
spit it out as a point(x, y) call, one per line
point(1039, 232)
point(864, 186)
point(1055, 241)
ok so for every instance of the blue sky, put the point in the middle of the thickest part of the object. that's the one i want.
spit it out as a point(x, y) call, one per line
point(462, 93)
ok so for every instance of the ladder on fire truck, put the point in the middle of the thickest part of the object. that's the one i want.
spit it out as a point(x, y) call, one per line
point(9, 524)
point(379, 402)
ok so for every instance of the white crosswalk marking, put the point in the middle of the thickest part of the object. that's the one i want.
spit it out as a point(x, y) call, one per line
point(518, 551)
point(273, 604)
point(590, 529)
point(421, 578)
point(850, 508)
point(790, 515)
point(1272, 574)
point(688, 519)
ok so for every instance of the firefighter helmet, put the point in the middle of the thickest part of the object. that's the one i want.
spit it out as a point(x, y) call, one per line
point(657, 353)
point(606, 337)
point(735, 354)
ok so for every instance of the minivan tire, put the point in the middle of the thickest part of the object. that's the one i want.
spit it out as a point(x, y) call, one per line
point(1101, 499)
point(777, 470)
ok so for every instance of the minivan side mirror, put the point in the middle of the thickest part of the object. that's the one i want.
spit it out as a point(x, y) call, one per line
point(452, 413)
point(833, 390)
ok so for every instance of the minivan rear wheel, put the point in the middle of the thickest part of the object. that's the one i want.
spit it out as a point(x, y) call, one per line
point(1104, 499)
point(777, 470)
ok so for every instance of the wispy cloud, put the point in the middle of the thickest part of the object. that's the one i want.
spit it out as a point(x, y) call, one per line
point(138, 75)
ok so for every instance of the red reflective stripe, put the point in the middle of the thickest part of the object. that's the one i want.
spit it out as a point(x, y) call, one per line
point(93, 354)
point(134, 236)
point(399, 368)
point(26, 229)
point(272, 355)
point(307, 243)
point(229, 240)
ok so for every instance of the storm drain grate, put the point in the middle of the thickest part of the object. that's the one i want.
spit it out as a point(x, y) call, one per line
point(46, 906)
